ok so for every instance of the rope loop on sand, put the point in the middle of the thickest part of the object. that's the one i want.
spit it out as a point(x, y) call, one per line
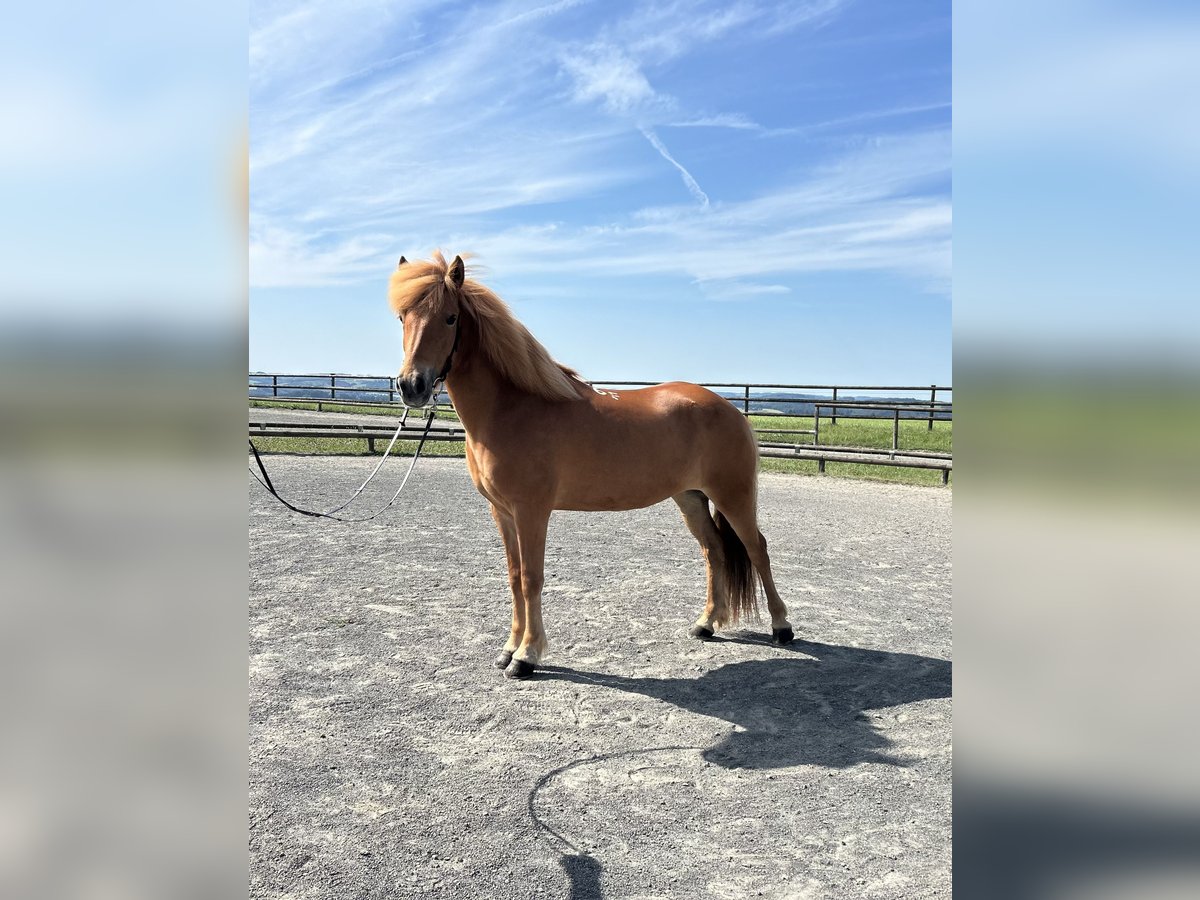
point(265, 480)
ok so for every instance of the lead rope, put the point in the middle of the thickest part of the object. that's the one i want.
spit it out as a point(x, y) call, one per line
point(265, 481)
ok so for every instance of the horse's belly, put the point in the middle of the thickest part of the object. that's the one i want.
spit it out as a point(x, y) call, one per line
point(618, 480)
point(611, 502)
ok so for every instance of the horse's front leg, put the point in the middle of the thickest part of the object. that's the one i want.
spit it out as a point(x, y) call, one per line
point(531, 527)
point(512, 552)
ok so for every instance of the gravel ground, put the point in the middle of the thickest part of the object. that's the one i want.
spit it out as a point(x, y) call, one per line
point(388, 758)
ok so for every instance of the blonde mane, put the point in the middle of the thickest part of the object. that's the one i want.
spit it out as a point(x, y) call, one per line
point(507, 344)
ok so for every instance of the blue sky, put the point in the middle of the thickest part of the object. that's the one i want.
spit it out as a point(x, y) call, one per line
point(694, 190)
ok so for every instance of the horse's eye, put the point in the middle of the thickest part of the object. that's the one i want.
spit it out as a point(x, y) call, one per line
point(450, 320)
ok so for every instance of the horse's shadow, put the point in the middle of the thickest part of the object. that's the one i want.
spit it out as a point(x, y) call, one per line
point(794, 710)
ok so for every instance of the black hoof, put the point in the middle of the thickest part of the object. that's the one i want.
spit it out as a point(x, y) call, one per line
point(782, 636)
point(699, 631)
point(518, 668)
point(504, 659)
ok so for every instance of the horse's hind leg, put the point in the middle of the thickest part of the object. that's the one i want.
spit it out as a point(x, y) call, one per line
point(694, 506)
point(739, 511)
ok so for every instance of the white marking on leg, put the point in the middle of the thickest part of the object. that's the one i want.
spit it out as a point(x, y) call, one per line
point(531, 655)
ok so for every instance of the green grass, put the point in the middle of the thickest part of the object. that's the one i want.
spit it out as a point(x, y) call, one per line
point(894, 475)
point(352, 447)
point(383, 409)
point(874, 433)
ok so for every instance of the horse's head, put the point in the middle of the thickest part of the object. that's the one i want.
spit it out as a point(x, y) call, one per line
point(426, 296)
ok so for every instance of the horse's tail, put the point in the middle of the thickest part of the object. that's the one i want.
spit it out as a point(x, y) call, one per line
point(741, 588)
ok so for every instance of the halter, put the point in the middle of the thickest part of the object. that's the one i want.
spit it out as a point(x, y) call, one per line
point(441, 379)
point(453, 350)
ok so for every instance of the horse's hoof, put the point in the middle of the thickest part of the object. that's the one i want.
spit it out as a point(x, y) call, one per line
point(699, 631)
point(782, 636)
point(520, 669)
point(504, 659)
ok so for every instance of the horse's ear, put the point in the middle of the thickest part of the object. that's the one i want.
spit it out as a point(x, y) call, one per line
point(402, 262)
point(456, 272)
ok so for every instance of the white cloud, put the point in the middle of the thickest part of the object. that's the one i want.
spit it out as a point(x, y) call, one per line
point(350, 146)
point(783, 17)
point(858, 214)
point(283, 258)
point(663, 31)
point(658, 33)
point(607, 75)
point(731, 290)
point(393, 140)
point(722, 120)
point(689, 182)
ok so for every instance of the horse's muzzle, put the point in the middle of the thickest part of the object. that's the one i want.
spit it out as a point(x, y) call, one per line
point(415, 389)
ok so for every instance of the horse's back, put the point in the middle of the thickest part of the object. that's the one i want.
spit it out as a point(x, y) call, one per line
point(699, 412)
point(669, 398)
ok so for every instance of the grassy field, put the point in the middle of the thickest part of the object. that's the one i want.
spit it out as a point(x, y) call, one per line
point(875, 433)
point(384, 409)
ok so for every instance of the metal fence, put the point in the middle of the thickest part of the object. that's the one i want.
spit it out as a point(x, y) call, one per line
point(822, 403)
point(907, 401)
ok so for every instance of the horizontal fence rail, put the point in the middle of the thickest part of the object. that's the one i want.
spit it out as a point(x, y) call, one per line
point(824, 404)
point(358, 389)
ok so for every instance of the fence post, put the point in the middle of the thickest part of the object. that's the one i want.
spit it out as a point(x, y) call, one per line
point(371, 444)
point(833, 418)
point(746, 401)
point(932, 401)
point(816, 424)
point(332, 387)
point(274, 385)
point(895, 432)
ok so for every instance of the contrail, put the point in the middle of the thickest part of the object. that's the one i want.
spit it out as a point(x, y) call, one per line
point(688, 180)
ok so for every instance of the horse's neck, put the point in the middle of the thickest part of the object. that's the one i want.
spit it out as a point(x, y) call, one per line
point(476, 389)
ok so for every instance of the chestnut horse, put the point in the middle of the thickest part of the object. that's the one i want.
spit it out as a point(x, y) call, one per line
point(539, 438)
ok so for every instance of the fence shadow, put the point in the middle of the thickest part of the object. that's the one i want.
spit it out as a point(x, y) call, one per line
point(804, 707)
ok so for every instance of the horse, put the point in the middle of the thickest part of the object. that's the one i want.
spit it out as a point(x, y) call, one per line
point(539, 438)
